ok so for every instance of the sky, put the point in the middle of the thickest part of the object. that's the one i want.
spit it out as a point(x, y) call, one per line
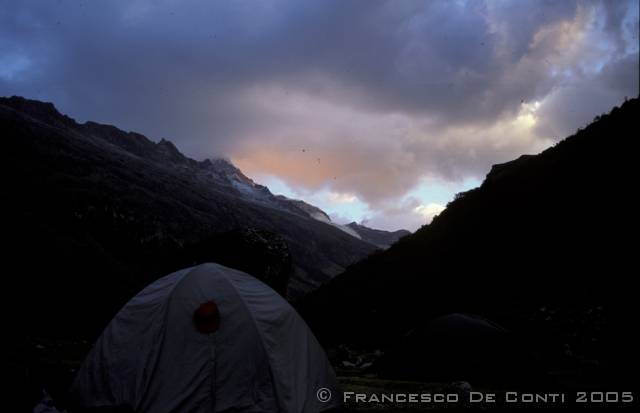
point(376, 111)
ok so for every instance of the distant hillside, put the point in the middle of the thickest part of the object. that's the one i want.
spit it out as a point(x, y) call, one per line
point(93, 213)
point(383, 239)
point(545, 246)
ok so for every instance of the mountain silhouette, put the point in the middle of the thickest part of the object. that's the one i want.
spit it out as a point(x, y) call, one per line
point(93, 213)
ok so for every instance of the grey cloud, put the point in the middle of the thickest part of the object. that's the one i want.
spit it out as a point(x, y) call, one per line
point(439, 57)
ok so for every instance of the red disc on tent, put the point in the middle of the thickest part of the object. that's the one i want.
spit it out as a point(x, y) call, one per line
point(207, 318)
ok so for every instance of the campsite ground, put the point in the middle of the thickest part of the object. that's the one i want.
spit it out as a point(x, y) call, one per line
point(46, 363)
point(51, 363)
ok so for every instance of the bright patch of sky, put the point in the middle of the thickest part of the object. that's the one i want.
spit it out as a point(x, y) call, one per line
point(441, 191)
point(342, 208)
point(425, 201)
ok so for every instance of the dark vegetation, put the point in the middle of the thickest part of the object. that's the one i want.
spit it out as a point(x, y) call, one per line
point(545, 247)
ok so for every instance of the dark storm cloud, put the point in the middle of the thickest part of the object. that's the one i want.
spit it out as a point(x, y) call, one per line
point(400, 56)
point(385, 92)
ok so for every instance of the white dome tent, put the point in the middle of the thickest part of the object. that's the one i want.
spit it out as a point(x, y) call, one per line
point(206, 339)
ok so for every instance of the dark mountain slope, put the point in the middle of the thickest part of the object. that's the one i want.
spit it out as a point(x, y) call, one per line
point(92, 213)
point(545, 246)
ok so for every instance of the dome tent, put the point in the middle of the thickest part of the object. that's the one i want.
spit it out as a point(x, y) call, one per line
point(157, 355)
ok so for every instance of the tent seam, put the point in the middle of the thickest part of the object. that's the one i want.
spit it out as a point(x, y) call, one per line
point(255, 324)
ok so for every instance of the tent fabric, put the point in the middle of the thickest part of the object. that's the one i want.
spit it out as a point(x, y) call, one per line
point(263, 357)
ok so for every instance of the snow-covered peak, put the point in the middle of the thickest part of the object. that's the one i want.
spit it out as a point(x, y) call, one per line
point(224, 171)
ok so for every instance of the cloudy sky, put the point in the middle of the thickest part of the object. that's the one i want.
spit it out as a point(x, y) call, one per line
point(376, 111)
